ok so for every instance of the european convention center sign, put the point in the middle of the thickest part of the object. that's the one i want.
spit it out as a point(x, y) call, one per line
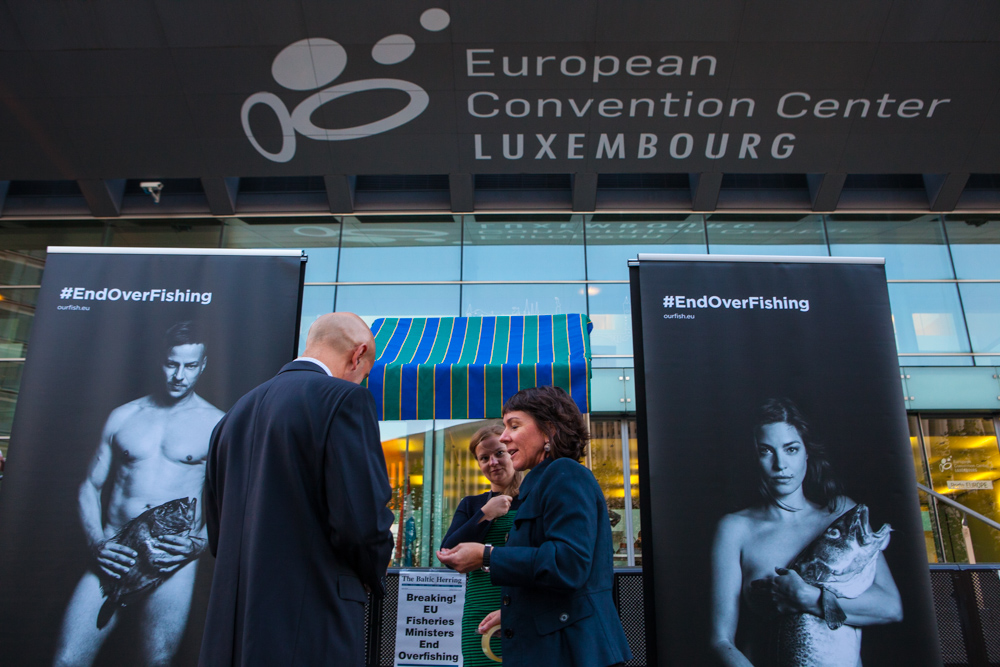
point(287, 88)
point(781, 518)
point(134, 356)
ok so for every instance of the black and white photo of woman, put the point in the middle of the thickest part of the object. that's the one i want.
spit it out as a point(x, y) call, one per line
point(797, 574)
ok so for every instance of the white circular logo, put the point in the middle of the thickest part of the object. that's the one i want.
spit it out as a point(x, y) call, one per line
point(314, 63)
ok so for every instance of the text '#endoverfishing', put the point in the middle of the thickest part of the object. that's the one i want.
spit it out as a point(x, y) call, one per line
point(748, 303)
point(115, 294)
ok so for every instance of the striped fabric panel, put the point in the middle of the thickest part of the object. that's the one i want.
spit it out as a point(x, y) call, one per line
point(467, 367)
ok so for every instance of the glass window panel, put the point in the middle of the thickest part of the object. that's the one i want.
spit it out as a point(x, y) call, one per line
point(730, 234)
point(175, 233)
point(633, 453)
point(975, 246)
point(508, 247)
point(22, 250)
point(320, 237)
point(10, 385)
point(316, 301)
point(927, 318)
point(964, 463)
point(416, 250)
point(913, 246)
point(611, 313)
point(928, 518)
point(17, 313)
point(406, 446)
point(374, 301)
point(981, 303)
point(608, 467)
point(488, 300)
point(460, 475)
point(613, 239)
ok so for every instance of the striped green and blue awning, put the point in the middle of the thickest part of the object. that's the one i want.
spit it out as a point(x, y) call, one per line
point(467, 367)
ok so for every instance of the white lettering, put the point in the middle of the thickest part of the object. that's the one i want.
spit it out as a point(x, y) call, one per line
point(605, 148)
point(688, 145)
point(779, 150)
point(470, 62)
point(647, 146)
point(472, 104)
point(785, 98)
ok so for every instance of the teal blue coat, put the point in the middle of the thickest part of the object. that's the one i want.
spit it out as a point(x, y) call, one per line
point(556, 573)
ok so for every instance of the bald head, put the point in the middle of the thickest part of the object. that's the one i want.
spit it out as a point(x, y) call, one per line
point(344, 343)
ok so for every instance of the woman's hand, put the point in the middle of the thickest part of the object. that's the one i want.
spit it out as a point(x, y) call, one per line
point(496, 507)
point(464, 557)
point(493, 618)
point(792, 595)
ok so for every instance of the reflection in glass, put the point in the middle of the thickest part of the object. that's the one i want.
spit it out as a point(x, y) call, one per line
point(608, 467)
point(488, 300)
point(927, 509)
point(22, 249)
point(981, 302)
point(927, 318)
point(17, 313)
point(633, 453)
point(538, 247)
point(964, 463)
point(615, 238)
point(374, 301)
point(611, 314)
point(419, 249)
point(460, 475)
point(173, 233)
point(319, 236)
point(732, 234)
point(406, 446)
point(21, 267)
point(316, 301)
point(10, 384)
point(913, 245)
point(975, 246)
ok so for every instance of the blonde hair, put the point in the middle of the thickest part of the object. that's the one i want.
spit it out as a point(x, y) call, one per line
point(495, 429)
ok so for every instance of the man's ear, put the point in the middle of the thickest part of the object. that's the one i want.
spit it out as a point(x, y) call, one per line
point(359, 354)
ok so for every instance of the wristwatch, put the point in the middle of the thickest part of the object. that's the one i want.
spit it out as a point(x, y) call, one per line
point(487, 551)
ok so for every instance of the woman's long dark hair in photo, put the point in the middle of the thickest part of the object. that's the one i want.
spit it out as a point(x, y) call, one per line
point(820, 485)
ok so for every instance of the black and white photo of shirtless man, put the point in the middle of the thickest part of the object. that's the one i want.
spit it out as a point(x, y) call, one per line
point(152, 451)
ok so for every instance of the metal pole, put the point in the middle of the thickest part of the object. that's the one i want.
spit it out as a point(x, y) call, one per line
point(627, 469)
point(959, 506)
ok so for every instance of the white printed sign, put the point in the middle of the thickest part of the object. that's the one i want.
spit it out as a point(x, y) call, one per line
point(970, 484)
point(429, 619)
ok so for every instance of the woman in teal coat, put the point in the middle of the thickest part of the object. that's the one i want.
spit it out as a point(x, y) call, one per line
point(556, 567)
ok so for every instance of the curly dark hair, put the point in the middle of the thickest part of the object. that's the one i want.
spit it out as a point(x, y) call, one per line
point(557, 416)
point(819, 486)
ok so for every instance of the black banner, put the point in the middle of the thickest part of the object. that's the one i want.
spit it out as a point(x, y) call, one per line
point(134, 356)
point(777, 487)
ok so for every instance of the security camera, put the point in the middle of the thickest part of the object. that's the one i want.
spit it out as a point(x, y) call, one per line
point(153, 189)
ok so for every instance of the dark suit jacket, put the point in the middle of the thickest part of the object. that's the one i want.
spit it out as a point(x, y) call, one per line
point(556, 573)
point(295, 504)
point(467, 524)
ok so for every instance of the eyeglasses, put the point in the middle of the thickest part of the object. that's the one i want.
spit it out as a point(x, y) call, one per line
point(498, 455)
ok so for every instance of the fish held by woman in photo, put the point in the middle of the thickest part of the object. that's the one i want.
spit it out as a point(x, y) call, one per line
point(803, 559)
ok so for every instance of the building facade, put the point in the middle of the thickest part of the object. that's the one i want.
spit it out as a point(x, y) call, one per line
point(508, 158)
point(943, 276)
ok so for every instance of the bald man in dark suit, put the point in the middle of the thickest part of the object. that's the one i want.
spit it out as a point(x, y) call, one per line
point(295, 502)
